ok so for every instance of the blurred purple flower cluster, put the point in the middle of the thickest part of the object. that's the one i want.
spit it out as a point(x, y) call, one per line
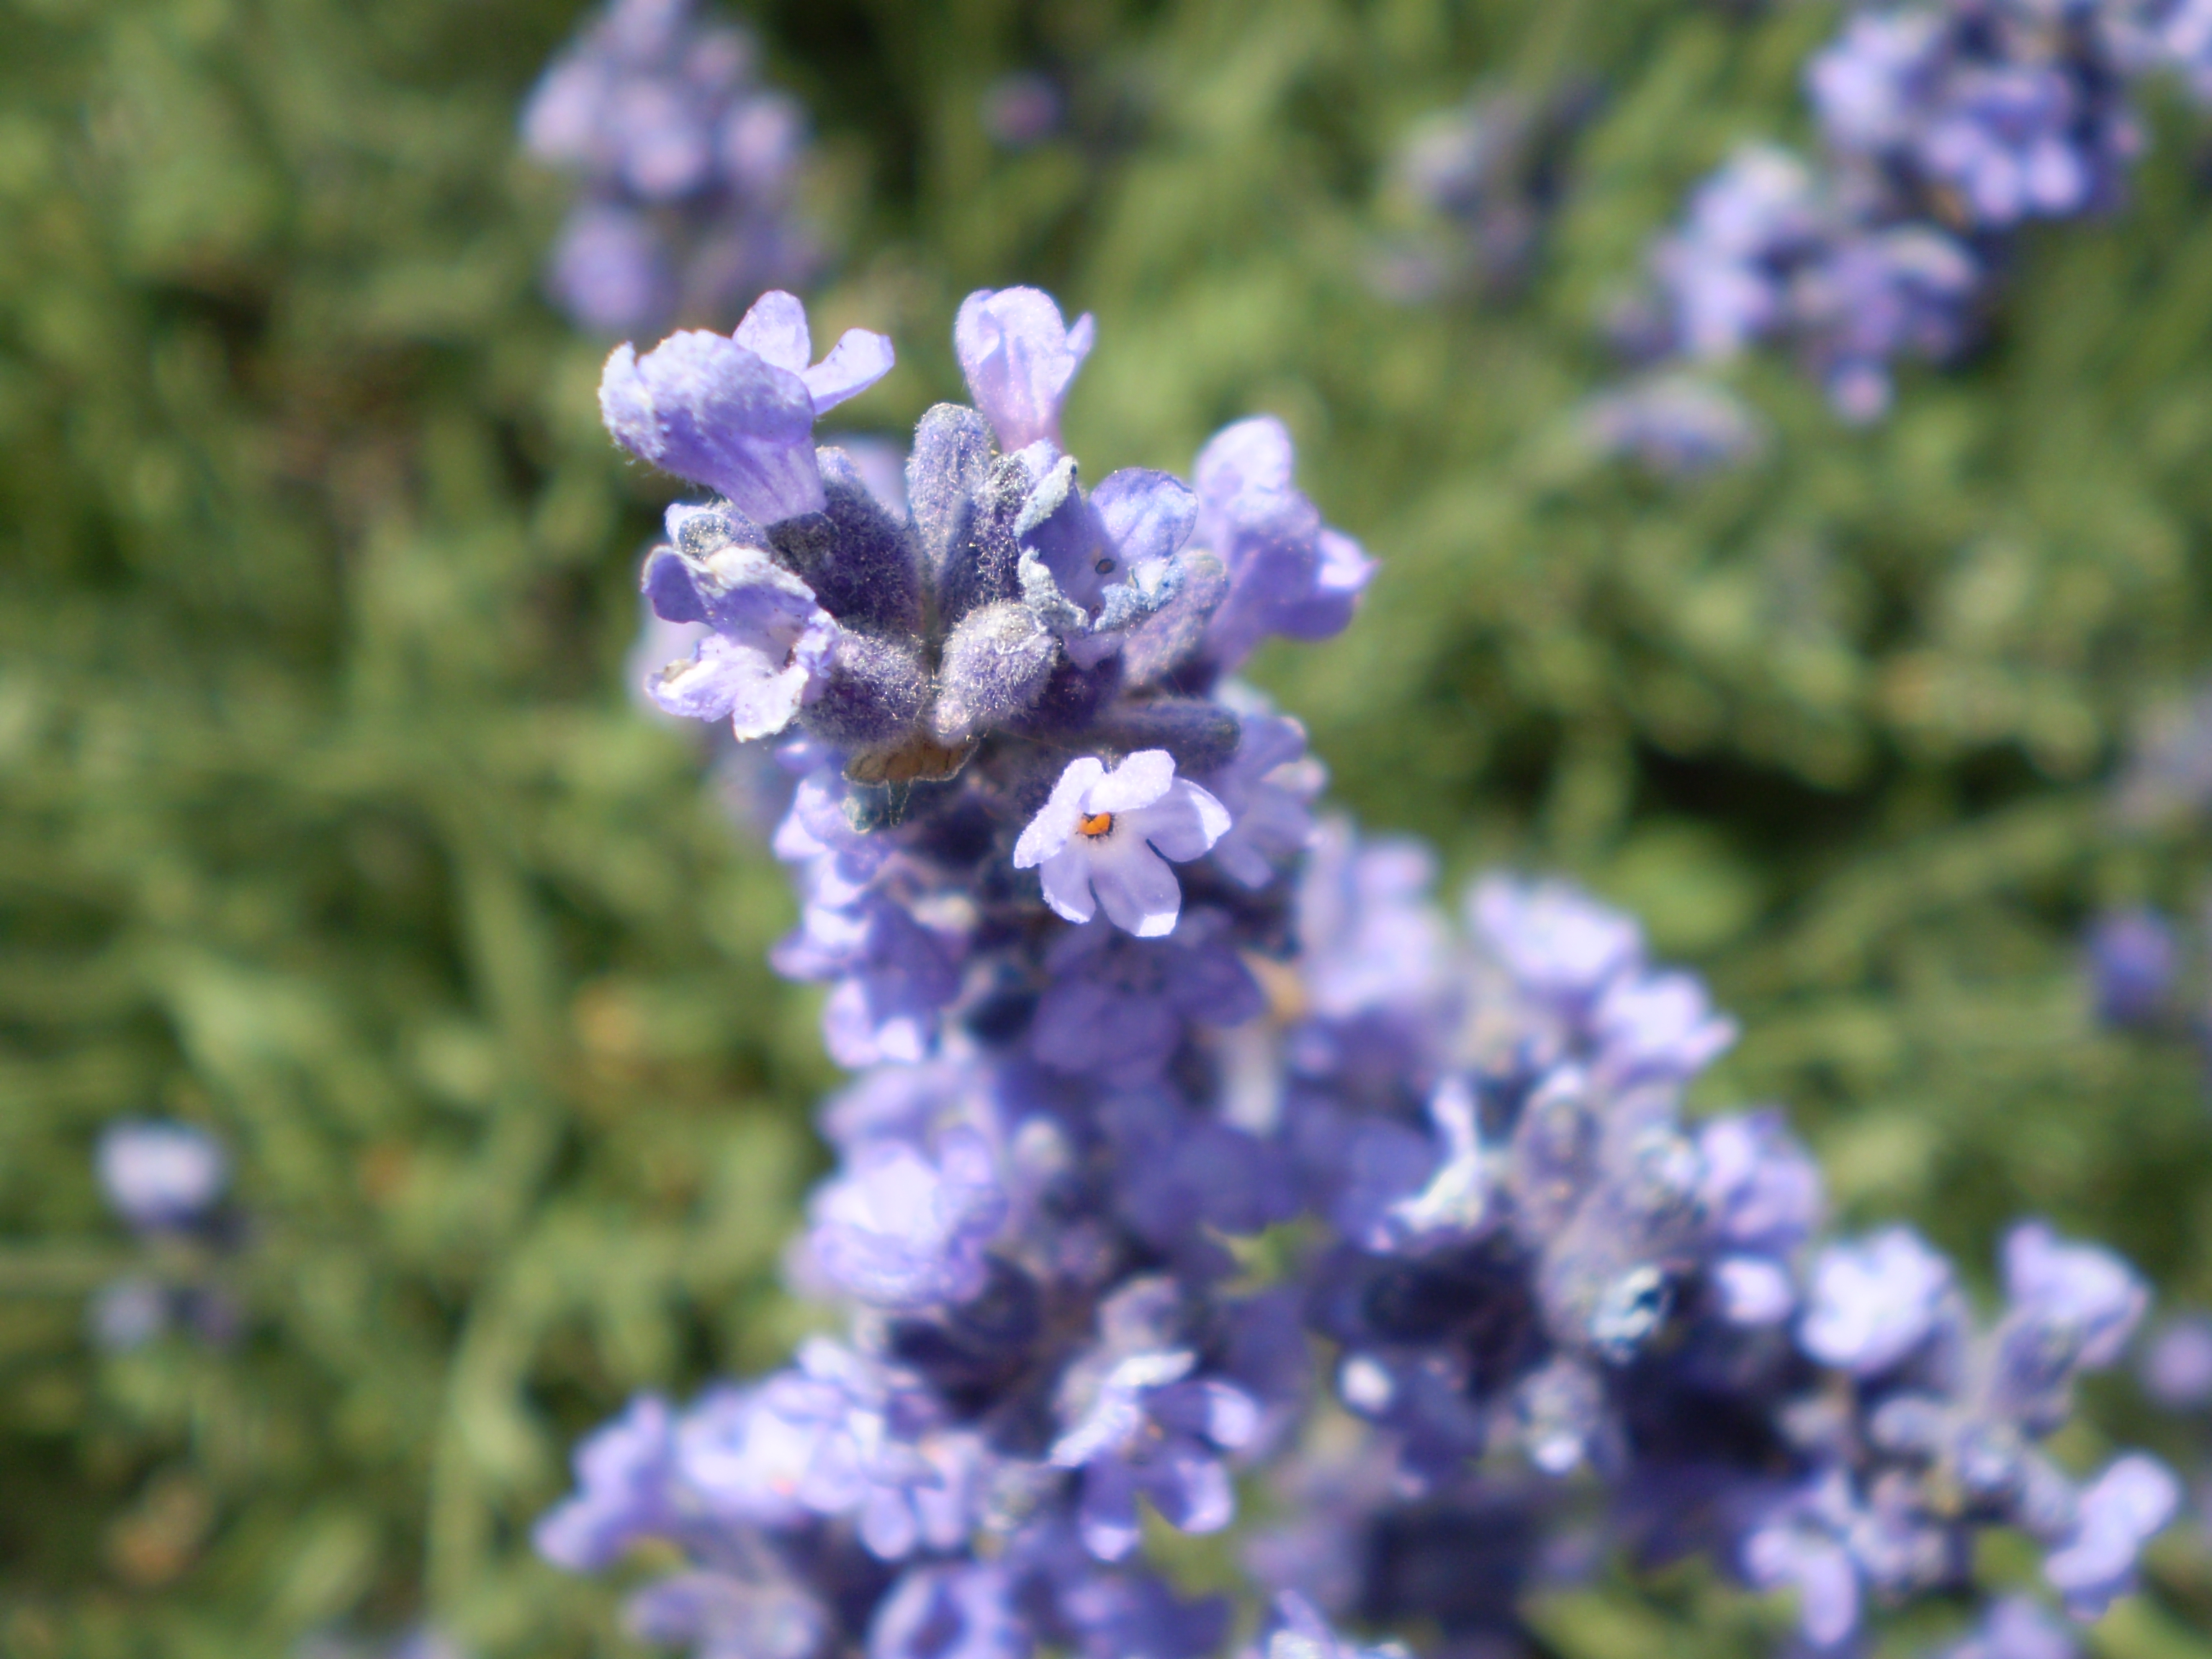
point(1488, 174)
point(688, 169)
point(1193, 1140)
point(1945, 127)
point(166, 1181)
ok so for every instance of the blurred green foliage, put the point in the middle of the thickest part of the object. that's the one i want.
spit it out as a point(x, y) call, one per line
point(328, 823)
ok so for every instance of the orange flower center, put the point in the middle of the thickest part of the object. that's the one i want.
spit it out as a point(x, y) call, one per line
point(1095, 823)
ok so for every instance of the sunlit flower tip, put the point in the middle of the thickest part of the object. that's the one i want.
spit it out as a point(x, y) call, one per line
point(1020, 358)
point(161, 1175)
point(1103, 840)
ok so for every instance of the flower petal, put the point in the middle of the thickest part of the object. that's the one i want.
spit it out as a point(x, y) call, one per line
point(726, 678)
point(1138, 781)
point(706, 409)
point(857, 362)
point(1145, 514)
point(1018, 357)
point(1047, 832)
point(1136, 888)
point(776, 332)
point(1183, 824)
point(1067, 878)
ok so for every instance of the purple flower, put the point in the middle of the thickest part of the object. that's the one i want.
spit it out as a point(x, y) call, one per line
point(1191, 1177)
point(1019, 358)
point(2015, 1627)
point(1451, 1204)
point(1878, 295)
point(1676, 425)
point(1868, 86)
point(609, 269)
point(1103, 840)
point(961, 1610)
point(1300, 1632)
point(624, 1475)
point(2134, 960)
point(1560, 945)
point(1811, 1561)
point(1657, 1026)
point(903, 1232)
point(721, 1615)
point(738, 415)
point(1151, 1428)
point(769, 650)
point(1289, 574)
point(1093, 567)
point(2126, 1506)
point(1268, 787)
point(2083, 1289)
point(1724, 271)
point(687, 167)
point(160, 1177)
point(1373, 940)
point(1117, 1007)
point(834, 1436)
point(1874, 1302)
point(2177, 1367)
point(893, 974)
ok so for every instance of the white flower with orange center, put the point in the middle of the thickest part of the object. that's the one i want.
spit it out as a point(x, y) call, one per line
point(1103, 841)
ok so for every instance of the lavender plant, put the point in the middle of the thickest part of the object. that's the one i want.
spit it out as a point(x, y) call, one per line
point(1215, 1148)
point(1945, 129)
point(688, 170)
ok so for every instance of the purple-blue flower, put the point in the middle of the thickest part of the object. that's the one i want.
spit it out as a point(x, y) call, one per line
point(624, 1472)
point(2134, 961)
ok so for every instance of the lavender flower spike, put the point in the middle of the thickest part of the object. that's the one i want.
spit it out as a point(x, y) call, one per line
point(1019, 358)
point(738, 415)
point(1104, 838)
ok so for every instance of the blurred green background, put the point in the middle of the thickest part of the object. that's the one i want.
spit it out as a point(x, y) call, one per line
point(325, 819)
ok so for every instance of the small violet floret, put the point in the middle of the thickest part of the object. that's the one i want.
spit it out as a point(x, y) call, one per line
point(1103, 840)
point(770, 645)
point(737, 414)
